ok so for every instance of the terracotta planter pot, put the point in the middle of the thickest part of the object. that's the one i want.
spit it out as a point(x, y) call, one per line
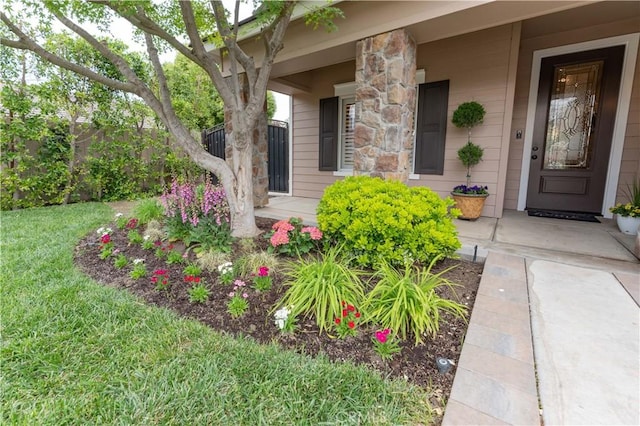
point(469, 204)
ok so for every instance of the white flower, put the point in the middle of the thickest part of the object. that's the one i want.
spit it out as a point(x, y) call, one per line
point(119, 215)
point(146, 237)
point(100, 231)
point(137, 261)
point(281, 316)
point(225, 268)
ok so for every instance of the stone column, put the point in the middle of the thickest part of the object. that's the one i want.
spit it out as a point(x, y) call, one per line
point(385, 105)
point(260, 149)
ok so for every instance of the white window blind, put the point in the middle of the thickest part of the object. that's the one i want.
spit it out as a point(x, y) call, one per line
point(347, 132)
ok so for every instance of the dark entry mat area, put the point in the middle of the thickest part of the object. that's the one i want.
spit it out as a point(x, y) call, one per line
point(554, 214)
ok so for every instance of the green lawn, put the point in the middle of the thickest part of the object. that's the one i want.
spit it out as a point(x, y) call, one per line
point(75, 352)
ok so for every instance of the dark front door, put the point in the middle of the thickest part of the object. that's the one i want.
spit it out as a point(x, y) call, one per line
point(575, 113)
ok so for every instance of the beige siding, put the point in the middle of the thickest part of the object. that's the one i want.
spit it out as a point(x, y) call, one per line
point(476, 66)
point(307, 180)
point(631, 154)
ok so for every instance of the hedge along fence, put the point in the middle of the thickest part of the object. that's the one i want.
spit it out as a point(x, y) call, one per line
point(108, 165)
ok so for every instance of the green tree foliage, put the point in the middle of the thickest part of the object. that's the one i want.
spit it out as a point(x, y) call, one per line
point(188, 27)
point(194, 96)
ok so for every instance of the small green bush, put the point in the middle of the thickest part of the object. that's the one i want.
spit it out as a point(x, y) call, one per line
point(199, 293)
point(385, 219)
point(319, 286)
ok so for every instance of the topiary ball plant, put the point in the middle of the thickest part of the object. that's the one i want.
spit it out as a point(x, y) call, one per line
point(375, 218)
point(467, 116)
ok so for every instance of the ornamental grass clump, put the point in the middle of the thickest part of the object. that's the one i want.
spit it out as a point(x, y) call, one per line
point(407, 301)
point(318, 286)
point(385, 219)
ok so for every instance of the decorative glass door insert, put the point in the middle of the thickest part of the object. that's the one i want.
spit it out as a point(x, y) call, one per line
point(572, 114)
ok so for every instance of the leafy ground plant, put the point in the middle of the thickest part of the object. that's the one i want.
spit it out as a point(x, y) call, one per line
point(77, 352)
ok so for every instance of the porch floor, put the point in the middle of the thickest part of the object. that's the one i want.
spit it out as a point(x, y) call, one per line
point(558, 299)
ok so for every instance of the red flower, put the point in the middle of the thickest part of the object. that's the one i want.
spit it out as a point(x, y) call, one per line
point(188, 278)
point(337, 321)
point(196, 279)
point(357, 314)
point(351, 308)
point(344, 313)
point(343, 303)
point(132, 223)
point(154, 279)
point(105, 238)
point(263, 272)
point(157, 243)
point(351, 324)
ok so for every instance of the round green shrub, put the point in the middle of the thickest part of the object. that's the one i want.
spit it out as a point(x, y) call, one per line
point(385, 219)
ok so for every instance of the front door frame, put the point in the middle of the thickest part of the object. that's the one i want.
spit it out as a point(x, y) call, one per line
point(630, 41)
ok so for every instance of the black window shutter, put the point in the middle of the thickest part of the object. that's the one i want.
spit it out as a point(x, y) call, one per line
point(328, 134)
point(431, 129)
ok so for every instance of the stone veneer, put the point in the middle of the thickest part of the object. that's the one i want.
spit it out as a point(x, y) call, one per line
point(385, 105)
point(260, 150)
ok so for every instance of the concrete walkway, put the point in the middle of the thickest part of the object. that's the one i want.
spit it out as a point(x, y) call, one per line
point(558, 299)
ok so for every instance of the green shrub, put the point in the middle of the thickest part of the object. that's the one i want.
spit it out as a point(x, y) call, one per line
point(192, 269)
point(139, 271)
point(174, 258)
point(319, 286)
point(135, 237)
point(148, 210)
point(199, 293)
point(121, 261)
point(406, 302)
point(375, 218)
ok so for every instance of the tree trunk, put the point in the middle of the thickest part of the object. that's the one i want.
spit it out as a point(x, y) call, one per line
point(243, 221)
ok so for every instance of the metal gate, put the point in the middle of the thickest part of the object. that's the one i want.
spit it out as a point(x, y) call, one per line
point(278, 151)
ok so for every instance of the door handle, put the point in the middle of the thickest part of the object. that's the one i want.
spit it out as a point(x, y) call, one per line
point(534, 157)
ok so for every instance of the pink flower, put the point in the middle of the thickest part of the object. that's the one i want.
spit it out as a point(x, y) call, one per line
point(279, 237)
point(232, 294)
point(245, 295)
point(283, 225)
point(381, 336)
point(313, 232)
point(263, 271)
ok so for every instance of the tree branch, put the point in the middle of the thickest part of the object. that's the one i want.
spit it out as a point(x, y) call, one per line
point(275, 44)
point(147, 25)
point(26, 43)
point(206, 58)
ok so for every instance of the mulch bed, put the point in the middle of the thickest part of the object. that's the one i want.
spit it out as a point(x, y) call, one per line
point(414, 364)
